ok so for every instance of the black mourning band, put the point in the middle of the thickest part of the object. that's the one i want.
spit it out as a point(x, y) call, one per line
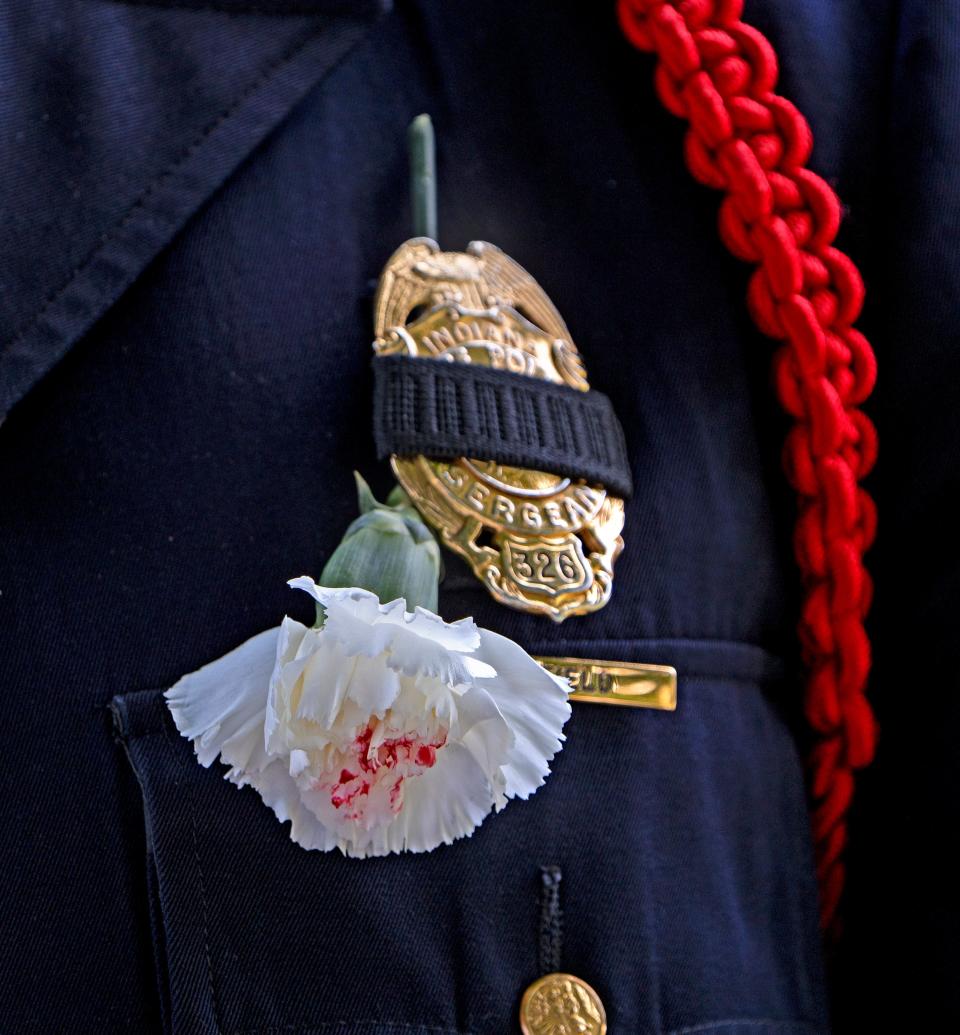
point(448, 409)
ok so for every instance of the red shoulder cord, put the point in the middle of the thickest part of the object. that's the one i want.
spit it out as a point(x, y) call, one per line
point(746, 140)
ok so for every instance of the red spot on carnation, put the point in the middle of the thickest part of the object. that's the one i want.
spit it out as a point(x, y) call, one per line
point(362, 746)
point(411, 754)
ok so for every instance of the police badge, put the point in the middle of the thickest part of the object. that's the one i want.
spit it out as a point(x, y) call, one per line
point(541, 540)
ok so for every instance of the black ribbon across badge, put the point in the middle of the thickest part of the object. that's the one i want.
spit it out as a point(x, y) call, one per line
point(448, 410)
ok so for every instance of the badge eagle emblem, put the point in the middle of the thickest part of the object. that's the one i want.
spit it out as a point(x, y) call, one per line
point(540, 542)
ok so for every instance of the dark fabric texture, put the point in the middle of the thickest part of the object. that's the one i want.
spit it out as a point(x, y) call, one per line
point(121, 121)
point(446, 410)
point(197, 200)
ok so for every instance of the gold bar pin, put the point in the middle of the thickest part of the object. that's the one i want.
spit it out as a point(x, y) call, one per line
point(617, 682)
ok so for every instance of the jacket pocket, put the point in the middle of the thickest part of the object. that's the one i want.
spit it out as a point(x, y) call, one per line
point(253, 935)
point(688, 896)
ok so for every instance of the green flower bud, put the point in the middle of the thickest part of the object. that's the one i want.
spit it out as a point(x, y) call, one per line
point(387, 550)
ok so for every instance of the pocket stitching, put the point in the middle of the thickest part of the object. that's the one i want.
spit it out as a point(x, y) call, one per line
point(214, 1003)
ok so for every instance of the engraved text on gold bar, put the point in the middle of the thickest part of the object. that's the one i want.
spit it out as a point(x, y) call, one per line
point(617, 682)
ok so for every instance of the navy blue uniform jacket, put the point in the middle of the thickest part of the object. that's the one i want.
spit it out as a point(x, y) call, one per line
point(196, 199)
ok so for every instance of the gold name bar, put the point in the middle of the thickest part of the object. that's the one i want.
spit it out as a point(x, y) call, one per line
point(617, 682)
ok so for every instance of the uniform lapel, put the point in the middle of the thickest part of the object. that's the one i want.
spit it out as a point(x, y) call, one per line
point(119, 121)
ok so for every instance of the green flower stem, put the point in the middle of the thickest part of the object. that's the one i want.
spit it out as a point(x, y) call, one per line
point(423, 177)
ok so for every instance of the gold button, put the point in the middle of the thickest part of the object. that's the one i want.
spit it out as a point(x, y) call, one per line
point(562, 1003)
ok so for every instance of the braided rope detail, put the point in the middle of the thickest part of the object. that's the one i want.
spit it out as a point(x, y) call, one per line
point(719, 74)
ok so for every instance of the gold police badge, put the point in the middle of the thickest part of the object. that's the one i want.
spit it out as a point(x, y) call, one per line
point(541, 542)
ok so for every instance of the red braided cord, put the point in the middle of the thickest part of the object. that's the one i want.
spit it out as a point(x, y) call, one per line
point(719, 74)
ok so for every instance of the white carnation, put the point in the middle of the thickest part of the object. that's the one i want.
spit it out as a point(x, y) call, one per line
point(383, 731)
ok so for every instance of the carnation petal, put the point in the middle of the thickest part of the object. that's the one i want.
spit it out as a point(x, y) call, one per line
point(534, 703)
point(290, 638)
point(445, 803)
point(225, 700)
point(326, 679)
point(482, 730)
point(403, 650)
point(244, 749)
point(462, 635)
point(359, 602)
point(279, 790)
point(415, 655)
point(373, 685)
